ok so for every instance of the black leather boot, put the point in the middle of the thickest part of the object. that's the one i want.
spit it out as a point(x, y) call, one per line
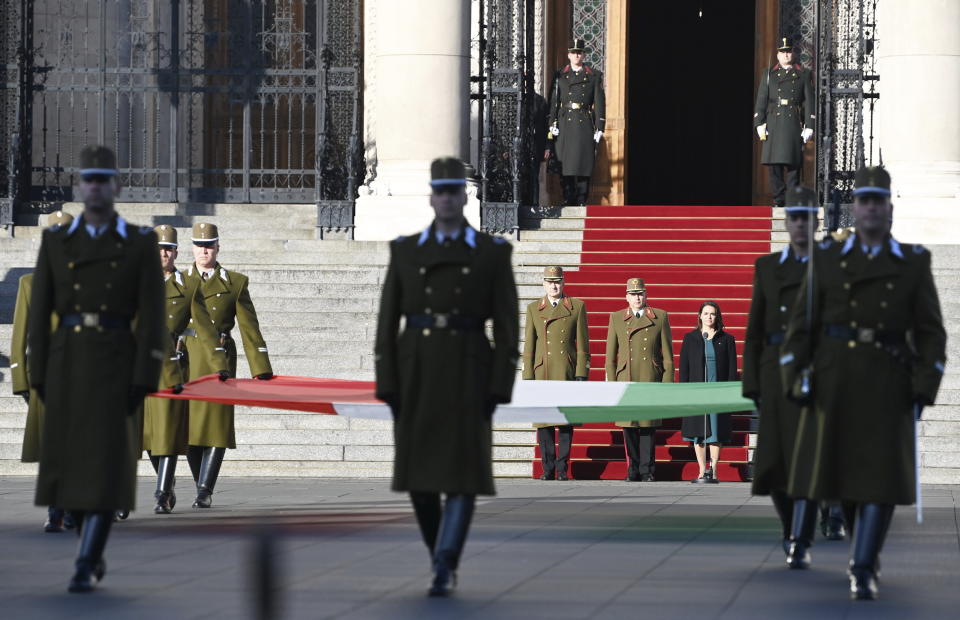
point(457, 514)
point(209, 471)
point(831, 522)
point(872, 523)
point(194, 458)
point(54, 522)
point(426, 507)
point(166, 499)
point(90, 565)
point(783, 504)
point(801, 533)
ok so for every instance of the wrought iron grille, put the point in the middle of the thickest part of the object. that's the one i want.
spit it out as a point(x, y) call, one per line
point(202, 100)
point(798, 20)
point(847, 93)
point(508, 165)
point(588, 19)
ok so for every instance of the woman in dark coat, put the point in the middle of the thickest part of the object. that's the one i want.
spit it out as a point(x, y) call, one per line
point(708, 354)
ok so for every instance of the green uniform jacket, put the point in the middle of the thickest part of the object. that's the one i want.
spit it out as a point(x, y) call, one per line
point(776, 280)
point(442, 382)
point(856, 441)
point(227, 300)
point(88, 457)
point(165, 422)
point(556, 344)
point(787, 104)
point(30, 453)
point(639, 350)
point(582, 90)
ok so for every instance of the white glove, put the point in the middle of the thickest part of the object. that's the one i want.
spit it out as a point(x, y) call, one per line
point(806, 134)
point(762, 131)
point(597, 135)
point(554, 131)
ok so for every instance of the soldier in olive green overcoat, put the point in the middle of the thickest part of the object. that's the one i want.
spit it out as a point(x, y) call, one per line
point(776, 281)
point(639, 348)
point(784, 118)
point(865, 361)
point(56, 521)
point(577, 120)
point(102, 278)
point(226, 297)
point(556, 348)
point(441, 375)
point(165, 422)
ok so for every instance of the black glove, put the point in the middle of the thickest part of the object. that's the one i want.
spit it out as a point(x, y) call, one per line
point(25, 395)
point(223, 375)
point(177, 388)
point(579, 378)
point(264, 376)
point(135, 399)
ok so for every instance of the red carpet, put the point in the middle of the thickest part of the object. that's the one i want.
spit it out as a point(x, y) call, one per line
point(686, 255)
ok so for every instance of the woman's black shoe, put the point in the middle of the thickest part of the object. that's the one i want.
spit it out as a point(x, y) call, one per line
point(700, 480)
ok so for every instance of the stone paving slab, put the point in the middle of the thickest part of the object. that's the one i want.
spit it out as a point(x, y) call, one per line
point(350, 549)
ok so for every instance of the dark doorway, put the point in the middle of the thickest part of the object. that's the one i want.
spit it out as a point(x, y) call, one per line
point(690, 102)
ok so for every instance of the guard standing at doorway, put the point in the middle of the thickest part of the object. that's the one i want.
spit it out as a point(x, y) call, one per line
point(556, 347)
point(441, 375)
point(577, 121)
point(102, 278)
point(784, 118)
point(863, 357)
point(639, 348)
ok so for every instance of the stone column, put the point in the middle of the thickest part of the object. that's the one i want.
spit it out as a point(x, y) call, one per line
point(919, 110)
point(422, 109)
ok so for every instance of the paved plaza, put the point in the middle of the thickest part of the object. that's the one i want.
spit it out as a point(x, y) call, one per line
point(350, 549)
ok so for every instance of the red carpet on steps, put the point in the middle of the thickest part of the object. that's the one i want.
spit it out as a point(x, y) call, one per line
point(686, 255)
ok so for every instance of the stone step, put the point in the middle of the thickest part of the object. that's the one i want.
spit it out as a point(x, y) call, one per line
point(285, 469)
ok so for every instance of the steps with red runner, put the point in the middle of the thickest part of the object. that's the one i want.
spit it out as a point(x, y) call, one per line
point(686, 255)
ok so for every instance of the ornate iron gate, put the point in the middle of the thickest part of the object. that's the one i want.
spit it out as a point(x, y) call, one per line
point(203, 100)
point(508, 167)
point(847, 94)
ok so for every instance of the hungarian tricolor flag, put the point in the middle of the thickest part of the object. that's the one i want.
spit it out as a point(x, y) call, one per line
point(543, 402)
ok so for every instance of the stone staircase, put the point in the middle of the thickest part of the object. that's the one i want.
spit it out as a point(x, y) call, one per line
point(317, 302)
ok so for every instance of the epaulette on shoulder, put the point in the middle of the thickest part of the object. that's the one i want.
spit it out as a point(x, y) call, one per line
point(919, 248)
point(498, 240)
point(826, 243)
point(145, 230)
point(55, 227)
point(399, 239)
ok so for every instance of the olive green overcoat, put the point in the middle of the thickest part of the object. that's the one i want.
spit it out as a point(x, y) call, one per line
point(227, 300)
point(165, 421)
point(577, 109)
point(556, 344)
point(786, 103)
point(639, 349)
point(776, 280)
point(855, 443)
point(443, 382)
point(30, 451)
point(88, 457)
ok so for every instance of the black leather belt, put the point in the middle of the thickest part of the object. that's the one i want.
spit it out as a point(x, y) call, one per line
point(775, 338)
point(444, 321)
point(865, 335)
point(95, 319)
point(570, 105)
